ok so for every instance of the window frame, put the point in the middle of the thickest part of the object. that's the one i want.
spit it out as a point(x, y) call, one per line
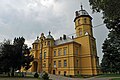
point(54, 53)
point(59, 63)
point(64, 51)
point(65, 63)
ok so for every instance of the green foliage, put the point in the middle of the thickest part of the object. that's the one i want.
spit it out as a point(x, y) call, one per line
point(27, 58)
point(116, 79)
point(45, 76)
point(5, 55)
point(111, 50)
point(36, 75)
point(109, 8)
point(13, 56)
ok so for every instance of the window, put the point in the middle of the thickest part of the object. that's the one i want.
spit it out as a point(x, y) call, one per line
point(48, 43)
point(77, 63)
point(64, 51)
point(85, 21)
point(40, 56)
point(54, 63)
point(80, 31)
point(45, 42)
point(76, 51)
point(59, 52)
point(64, 73)
point(55, 53)
point(36, 46)
point(59, 72)
point(59, 63)
point(77, 72)
point(44, 55)
point(79, 22)
point(65, 63)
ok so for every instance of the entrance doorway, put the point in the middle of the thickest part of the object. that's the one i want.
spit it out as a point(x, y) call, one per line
point(53, 71)
point(64, 73)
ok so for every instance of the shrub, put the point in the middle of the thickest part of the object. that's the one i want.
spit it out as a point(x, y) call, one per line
point(45, 76)
point(36, 75)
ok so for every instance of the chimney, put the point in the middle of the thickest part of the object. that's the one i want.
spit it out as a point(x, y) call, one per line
point(72, 37)
point(64, 36)
point(77, 13)
point(60, 38)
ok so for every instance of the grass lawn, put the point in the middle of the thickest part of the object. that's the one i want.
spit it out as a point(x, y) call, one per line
point(116, 79)
point(109, 75)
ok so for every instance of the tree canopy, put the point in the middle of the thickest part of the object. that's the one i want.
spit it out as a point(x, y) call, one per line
point(111, 46)
point(14, 56)
point(109, 8)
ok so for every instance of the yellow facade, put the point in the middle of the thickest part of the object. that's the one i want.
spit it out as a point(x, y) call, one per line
point(68, 56)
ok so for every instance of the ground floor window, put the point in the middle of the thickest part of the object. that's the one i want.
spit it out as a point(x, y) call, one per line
point(59, 72)
point(77, 72)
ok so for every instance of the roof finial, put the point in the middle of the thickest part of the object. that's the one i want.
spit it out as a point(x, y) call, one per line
point(37, 37)
point(81, 6)
point(49, 32)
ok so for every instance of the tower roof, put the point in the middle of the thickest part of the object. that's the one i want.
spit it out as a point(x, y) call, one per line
point(37, 40)
point(81, 13)
point(50, 36)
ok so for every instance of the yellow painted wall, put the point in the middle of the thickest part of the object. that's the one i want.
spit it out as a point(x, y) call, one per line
point(81, 54)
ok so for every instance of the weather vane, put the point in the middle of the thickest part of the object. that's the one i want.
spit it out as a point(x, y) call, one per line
point(81, 6)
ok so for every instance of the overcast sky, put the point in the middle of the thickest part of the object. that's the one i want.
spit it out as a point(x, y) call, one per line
point(29, 18)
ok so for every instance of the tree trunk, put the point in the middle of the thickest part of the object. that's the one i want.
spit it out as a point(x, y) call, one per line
point(8, 74)
point(12, 74)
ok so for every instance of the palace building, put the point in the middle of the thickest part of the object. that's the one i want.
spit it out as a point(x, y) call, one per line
point(68, 55)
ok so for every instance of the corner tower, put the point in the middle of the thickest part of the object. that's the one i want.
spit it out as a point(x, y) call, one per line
point(83, 25)
point(88, 56)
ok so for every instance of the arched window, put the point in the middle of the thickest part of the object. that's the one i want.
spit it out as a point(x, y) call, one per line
point(44, 55)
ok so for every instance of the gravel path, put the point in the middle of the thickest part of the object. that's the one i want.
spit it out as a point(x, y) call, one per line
point(54, 77)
